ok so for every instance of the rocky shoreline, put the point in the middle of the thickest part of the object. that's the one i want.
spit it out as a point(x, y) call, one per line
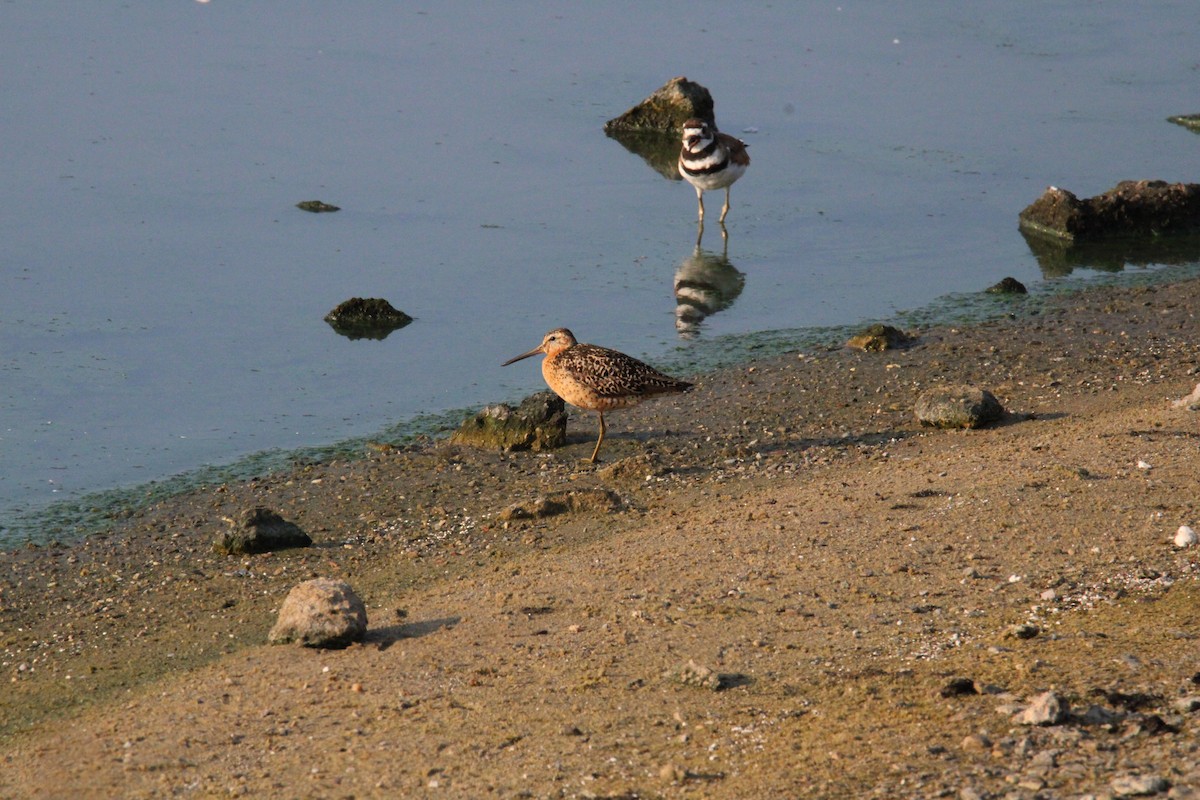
point(777, 585)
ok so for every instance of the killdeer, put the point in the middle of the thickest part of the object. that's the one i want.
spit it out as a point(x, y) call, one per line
point(596, 378)
point(710, 159)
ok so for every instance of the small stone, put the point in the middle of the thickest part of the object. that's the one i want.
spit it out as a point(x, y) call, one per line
point(1045, 709)
point(1138, 785)
point(693, 674)
point(316, 206)
point(1187, 705)
point(1191, 402)
point(1185, 536)
point(976, 743)
point(321, 613)
point(1023, 631)
point(957, 687)
point(672, 772)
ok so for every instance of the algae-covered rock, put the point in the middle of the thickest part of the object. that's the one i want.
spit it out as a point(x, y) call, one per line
point(879, 337)
point(1008, 286)
point(259, 530)
point(672, 104)
point(366, 318)
point(316, 207)
point(539, 423)
point(1131, 208)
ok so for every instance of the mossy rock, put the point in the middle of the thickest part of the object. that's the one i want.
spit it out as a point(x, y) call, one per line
point(366, 318)
point(879, 337)
point(316, 207)
point(672, 104)
point(539, 423)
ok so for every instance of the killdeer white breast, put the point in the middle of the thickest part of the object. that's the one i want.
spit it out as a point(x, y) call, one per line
point(711, 160)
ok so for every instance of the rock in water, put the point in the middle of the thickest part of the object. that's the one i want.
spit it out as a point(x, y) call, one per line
point(1009, 285)
point(1131, 208)
point(259, 530)
point(366, 318)
point(321, 613)
point(958, 407)
point(675, 102)
point(539, 423)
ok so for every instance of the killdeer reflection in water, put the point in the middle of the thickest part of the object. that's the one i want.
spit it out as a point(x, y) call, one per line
point(596, 378)
point(711, 160)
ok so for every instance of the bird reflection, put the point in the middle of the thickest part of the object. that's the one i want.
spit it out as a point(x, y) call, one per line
point(705, 283)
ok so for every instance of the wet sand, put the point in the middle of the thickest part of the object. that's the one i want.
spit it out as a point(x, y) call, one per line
point(787, 525)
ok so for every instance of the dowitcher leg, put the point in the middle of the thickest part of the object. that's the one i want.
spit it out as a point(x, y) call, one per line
point(700, 200)
point(598, 441)
point(725, 210)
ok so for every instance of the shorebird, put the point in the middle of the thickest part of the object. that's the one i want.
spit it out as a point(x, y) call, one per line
point(711, 160)
point(596, 378)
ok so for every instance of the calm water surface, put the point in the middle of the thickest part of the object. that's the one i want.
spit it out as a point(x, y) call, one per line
point(161, 299)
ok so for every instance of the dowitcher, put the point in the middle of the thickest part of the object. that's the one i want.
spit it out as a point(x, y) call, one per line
point(596, 378)
point(711, 160)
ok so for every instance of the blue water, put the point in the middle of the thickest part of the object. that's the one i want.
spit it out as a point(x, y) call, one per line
point(161, 298)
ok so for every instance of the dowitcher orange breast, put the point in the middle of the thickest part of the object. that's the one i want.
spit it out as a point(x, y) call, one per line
point(596, 378)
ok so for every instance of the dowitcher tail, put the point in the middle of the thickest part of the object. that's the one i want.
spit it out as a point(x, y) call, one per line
point(596, 378)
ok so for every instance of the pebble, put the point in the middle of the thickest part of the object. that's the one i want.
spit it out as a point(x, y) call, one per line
point(1138, 785)
point(1185, 536)
point(1045, 709)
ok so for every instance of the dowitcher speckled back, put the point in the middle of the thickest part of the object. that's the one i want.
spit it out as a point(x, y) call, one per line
point(597, 378)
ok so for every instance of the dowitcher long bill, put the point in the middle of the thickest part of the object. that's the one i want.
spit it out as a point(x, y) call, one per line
point(596, 378)
point(711, 160)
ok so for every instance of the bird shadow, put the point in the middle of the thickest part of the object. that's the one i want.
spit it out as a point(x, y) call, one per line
point(388, 635)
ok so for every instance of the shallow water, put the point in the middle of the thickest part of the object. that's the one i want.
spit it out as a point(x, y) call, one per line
point(161, 298)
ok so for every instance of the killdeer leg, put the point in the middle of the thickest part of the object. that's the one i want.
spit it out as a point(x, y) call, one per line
point(700, 200)
point(725, 210)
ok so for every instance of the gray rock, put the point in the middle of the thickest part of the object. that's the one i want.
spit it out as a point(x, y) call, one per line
point(1138, 785)
point(1045, 709)
point(1098, 715)
point(259, 530)
point(539, 423)
point(320, 613)
point(958, 406)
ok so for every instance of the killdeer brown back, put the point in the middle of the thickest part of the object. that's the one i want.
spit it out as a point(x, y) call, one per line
point(710, 160)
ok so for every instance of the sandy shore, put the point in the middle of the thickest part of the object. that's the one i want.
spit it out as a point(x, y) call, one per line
point(786, 525)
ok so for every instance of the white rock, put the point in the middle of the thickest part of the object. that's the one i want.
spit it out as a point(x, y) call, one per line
point(1142, 464)
point(1185, 536)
